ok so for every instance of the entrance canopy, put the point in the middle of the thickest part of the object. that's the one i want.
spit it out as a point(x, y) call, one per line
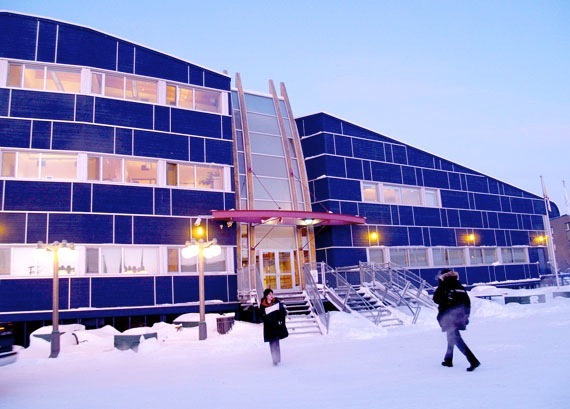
point(287, 217)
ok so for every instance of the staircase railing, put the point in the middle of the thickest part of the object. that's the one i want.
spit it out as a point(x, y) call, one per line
point(343, 292)
point(250, 284)
point(314, 296)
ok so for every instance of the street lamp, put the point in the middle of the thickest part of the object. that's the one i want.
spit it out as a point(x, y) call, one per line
point(202, 249)
point(63, 249)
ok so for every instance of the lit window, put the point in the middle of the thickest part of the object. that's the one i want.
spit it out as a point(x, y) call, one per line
point(114, 86)
point(9, 164)
point(140, 171)
point(34, 77)
point(370, 193)
point(15, 75)
point(392, 194)
point(432, 197)
point(63, 80)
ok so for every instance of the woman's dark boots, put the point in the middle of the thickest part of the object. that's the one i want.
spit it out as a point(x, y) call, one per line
point(447, 362)
point(472, 360)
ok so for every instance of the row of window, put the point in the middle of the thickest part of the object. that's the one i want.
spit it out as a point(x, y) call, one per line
point(448, 256)
point(399, 194)
point(74, 166)
point(111, 260)
point(77, 80)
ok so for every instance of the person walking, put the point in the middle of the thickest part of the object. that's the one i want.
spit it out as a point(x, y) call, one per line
point(273, 314)
point(454, 307)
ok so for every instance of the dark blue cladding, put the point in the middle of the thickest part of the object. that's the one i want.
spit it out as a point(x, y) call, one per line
point(15, 133)
point(23, 45)
point(76, 46)
point(42, 105)
point(83, 137)
point(36, 227)
point(123, 113)
point(196, 123)
point(161, 145)
point(64, 226)
point(13, 227)
point(47, 38)
point(153, 64)
point(122, 199)
point(33, 196)
point(41, 134)
point(161, 230)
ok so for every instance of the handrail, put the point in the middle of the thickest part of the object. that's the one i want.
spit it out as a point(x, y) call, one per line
point(335, 282)
point(315, 299)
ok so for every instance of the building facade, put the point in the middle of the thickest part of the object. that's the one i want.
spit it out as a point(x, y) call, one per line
point(561, 237)
point(125, 151)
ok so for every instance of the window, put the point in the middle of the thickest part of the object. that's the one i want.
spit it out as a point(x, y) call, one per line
point(140, 171)
point(125, 260)
point(105, 169)
point(399, 194)
point(195, 176)
point(41, 77)
point(40, 165)
point(4, 261)
point(514, 255)
point(448, 256)
point(409, 257)
point(376, 255)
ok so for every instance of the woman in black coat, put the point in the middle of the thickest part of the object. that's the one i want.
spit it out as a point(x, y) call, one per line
point(454, 308)
point(273, 314)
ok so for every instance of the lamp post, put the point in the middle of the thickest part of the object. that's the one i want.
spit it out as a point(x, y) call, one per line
point(56, 247)
point(202, 249)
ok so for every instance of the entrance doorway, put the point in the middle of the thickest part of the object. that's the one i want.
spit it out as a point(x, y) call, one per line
point(277, 270)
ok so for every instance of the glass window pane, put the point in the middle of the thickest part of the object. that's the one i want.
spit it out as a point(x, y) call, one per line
point(417, 257)
point(114, 86)
point(94, 168)
point(398, 256)
point(209, 177)
point(27, 261)
point(59, 166)
point(369, 193)
point(519, 255)
point(171, 95)
point(476, 256)
point(139, 171)
point(411, 196)
point(263, 124)
point(111, 260)
point(216, 263)
point(439, 256)
point(257, 103)
point(141, 90)
point(432, 198)
point(456, 257)
point(392, 194)
point(271, 189)
point(269, 166)
point(29, 165)
point(64, 80)
point(8, 163)
point(207, 100)
point(272, 145)
point(140, 260)
point(5, 261)
point(92, 261)
point(489, 256)
point(507, 255)
point(186, 176)
point(186, 98)
point(171, 174)
point(376, 255)
point(173, 260)
point(34, 77)
point(15, 75)
point(97, 83)
point(112, 170)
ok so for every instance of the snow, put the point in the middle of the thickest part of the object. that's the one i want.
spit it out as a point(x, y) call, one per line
point(523, 349)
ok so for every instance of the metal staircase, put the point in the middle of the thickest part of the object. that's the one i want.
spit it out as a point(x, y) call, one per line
point(301, 318)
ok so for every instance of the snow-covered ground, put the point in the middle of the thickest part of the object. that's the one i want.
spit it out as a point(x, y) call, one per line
point(524, 350)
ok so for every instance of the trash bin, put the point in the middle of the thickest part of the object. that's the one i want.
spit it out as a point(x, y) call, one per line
point(225, 324)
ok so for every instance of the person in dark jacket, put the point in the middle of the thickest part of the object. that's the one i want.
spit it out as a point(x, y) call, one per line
point(273, 314)
point(454, 307)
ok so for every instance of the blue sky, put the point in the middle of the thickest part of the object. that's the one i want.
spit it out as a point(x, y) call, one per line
point(481, 83)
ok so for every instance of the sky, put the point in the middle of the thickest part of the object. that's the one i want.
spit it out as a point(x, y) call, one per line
point(482, 83)
point(523, 351)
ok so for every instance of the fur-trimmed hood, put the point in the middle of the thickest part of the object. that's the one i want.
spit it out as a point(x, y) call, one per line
point(448, 275)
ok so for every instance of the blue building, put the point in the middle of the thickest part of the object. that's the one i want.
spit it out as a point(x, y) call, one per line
point(124, 151)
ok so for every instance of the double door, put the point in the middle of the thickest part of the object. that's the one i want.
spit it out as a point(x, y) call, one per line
point(278, 270)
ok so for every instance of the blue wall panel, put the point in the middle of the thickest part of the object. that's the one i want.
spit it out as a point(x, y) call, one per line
point(123, 113)
point(409, 176)
point(161, 145)
point(47, 38)
point(388, 152)
point(350, 208)
point(470, 218)
point(394, 236)
point(123, 230)
point(454, 181)
point(365, 149)
point(122, 199)
point(193, 202)
point(197, 150)
point(354, 169)
point(406, 215)
point(161, 230)
point(341, 236)
point(442, 237)
point(227, 128)
point(79, 292)
point(196, 75)
point(219, 152)
point(427, 216)
point(153, 64)
point(419, 158)
point(186, 289)
point(70, 227)
point(399, 154)
point(83, 137)
point(435, 178)
point(215, 80)
point(318, 144)
point(76, 45)
point(37, 227)
point(453, 218)
point(13, 227)
point(23, 45)
point(341, 257)
point(123, 141)
point(386, 172)
point(375, 213)
point(122, 291)
point(164, 286)
point(508, 221)
point(521, 205)
point(27, 294)
point(520, 238)
point(196, 123)
point(486, 238)
point(487, 202)
point(37, 196)
point(343, 145)
point(162, 201)
point(81, 197)
point(315, 167)
point(344, 189)
point(416, 236)
point(126, 57)
point(41, 135)
point(395, 215)
point(84, 108)
point(42, 105)
point(15, 133)
point(334, 166)
point(161, 118)
point(477, 184)
point(367, 169)
point(4, 101)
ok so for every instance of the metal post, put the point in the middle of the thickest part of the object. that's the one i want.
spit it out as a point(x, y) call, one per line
point(55, 335)
point(202, 328)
